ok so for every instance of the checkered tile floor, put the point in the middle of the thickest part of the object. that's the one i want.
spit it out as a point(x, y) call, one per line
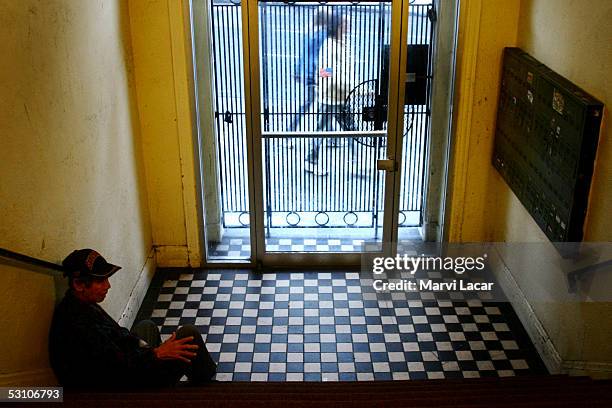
point(238, 248)
point(289, 326)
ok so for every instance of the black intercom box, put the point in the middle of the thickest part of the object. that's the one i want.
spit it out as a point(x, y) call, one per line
point(416, 74)
point(546, 138)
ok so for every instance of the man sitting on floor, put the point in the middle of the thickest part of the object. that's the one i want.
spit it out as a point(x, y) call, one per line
point(87, 348)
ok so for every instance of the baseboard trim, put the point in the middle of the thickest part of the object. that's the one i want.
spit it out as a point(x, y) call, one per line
point(38, 377)
point(138, 291)
point(429, 231)
point(172, 256)
point(534, 328)
point(595, 369)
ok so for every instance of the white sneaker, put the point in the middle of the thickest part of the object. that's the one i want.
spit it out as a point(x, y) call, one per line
point(314, 169)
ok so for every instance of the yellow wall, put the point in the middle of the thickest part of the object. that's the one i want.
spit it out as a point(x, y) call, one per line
point(485, 28)
point(74, 173)
point(26, 305)
point(573, 39)
point(162, 55)
point(71, 159)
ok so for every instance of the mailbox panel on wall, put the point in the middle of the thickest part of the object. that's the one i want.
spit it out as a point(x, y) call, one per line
point(545, 143)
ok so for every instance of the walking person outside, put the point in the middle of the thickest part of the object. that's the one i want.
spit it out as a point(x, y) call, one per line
point(307, 66)
point(335, 83)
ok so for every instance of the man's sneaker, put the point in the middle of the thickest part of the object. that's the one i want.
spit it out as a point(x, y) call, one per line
point(314, 169)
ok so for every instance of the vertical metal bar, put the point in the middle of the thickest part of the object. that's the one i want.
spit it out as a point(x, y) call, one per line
point(397, 64)
point(290, 142)
point(227, 159)
point(252, 106)
point(264, 63)
point(229, 145)
point(232, 147)
point(217, 100)
point(284, 85)
point(277, 103)
point(417, 128)
point(227, 65)
point(269, 182)
point(314, 116)
point(260, 13)
point(284, 80)
point(370, 47)
point(298, 142)
point(243, 138)
point(376, 176)
point(422, 123)
point(414, 39)
point(288, 83)
point(363, 183)
point(430, 74)
point(238, 136)
point(271, 64)
point(317, 182)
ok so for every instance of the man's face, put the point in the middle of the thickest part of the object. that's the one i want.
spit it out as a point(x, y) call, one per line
point(94, 293)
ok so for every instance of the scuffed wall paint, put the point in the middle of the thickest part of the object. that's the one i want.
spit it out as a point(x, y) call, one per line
point(71, 158)
point(154, 74)
point(164, 77)
point(573, 39)
point(486, 27)
point(29, 303)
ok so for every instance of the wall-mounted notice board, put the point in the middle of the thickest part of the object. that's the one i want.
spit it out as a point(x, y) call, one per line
point(546, 139)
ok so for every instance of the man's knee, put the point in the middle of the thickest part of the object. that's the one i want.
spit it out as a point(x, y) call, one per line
point(189, 330)
point(145, 325)
point(148, 331)
point(203, 368)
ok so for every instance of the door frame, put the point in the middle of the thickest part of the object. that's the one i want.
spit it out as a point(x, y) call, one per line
point(398, 50)
point(436, 183)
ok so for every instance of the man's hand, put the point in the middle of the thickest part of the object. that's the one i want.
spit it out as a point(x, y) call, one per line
point(173, 349)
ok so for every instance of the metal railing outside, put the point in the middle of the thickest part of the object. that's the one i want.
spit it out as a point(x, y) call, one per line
point(351, 192)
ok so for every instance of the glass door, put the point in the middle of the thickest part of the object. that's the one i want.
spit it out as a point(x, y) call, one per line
point(325, 109)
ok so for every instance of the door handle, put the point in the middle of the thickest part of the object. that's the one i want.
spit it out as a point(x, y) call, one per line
point(385, 164)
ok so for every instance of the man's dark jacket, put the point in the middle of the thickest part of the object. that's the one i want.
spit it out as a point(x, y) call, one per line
point(87, 348)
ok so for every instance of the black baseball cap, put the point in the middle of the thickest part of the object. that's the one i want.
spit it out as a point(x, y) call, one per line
point(87, 262)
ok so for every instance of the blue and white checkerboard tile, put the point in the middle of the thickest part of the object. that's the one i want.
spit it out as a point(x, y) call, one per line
point(239, 248)
point(333, 327)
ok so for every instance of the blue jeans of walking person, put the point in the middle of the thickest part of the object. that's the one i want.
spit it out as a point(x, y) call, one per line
point(327, 114)
point(311, 94)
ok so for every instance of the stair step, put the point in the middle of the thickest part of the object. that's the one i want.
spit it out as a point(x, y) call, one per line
point(528, 391)
point(307, 403)
point(411, 385)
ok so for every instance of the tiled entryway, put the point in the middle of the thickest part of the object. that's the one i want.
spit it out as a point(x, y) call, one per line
point(236, 244)
point(239, 248)
point(333, 326)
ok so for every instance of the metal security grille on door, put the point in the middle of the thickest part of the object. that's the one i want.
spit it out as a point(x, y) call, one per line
point(295, 199)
